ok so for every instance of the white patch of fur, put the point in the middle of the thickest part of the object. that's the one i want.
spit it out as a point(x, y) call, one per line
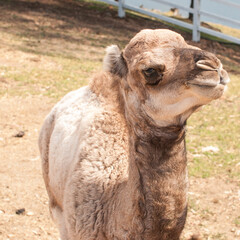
point(76, 109)
point(166, 111)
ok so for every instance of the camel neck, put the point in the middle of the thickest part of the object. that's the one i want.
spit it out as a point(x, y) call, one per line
point(158, 183)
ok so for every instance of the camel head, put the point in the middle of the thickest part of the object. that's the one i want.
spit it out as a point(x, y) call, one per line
point(163, 79)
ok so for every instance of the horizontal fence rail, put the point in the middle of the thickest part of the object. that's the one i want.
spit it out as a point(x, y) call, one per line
point(196, 11)
point(233, 4)
point(236, 22)
point(175, 5)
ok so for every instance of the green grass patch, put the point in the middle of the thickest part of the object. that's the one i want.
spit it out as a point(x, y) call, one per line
point(217, 125)
point(237, 221)
point(69, 74)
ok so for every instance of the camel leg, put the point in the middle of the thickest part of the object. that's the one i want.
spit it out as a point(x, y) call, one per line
point(58, 218)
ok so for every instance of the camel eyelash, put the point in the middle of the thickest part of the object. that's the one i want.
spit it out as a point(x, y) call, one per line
point(152, 76)
point(150, 70)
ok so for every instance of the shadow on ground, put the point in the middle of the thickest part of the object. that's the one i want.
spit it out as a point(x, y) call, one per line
point(54, 27)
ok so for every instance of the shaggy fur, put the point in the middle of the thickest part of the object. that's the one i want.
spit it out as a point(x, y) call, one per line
point(113, 152)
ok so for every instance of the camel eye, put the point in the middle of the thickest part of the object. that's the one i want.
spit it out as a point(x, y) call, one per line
point(152, 76)
point(149, 71)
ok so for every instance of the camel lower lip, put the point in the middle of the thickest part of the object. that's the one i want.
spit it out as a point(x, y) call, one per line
point(204, 85)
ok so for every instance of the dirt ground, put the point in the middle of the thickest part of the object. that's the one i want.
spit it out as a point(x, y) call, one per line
point(214, 203)
point(21, 184)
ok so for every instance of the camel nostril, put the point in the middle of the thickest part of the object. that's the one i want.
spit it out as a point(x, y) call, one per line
point(206, 65)
point(221, 79)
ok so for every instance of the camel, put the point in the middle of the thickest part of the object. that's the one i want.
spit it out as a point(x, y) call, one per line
point(113, 152)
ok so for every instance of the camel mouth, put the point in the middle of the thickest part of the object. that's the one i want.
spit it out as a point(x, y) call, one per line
point(212, 87)
point(210, 83)
point(208, 65)
point(205, 84)
point(224, 81)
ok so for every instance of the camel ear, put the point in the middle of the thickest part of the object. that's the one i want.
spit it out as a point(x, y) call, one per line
point(114, 62)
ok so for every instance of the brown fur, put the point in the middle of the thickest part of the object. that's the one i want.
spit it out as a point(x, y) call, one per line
point(158, 155)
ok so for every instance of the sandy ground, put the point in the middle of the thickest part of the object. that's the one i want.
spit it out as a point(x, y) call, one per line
point(21, 184)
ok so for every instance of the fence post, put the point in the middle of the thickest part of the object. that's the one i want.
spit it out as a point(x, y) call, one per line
point(196, 21)
point(121, 12)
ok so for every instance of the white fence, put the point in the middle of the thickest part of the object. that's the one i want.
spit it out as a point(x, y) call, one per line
point(196, 11)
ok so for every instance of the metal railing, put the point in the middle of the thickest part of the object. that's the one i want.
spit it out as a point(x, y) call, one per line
point(196, 11)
